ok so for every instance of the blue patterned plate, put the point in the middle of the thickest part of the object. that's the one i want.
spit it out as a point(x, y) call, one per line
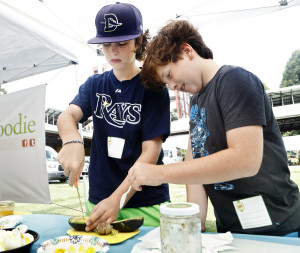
point(74, 242)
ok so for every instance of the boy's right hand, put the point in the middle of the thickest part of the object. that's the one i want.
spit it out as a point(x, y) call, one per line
point(71, 158)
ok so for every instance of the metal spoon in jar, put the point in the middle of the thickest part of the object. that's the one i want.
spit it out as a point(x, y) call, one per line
point(123, 198)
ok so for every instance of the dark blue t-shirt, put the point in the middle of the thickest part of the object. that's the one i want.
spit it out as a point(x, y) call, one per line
point(128, 111)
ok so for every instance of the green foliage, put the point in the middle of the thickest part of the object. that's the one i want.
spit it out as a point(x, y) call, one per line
point(290, 133)
point(2, 91)
point(266, 87)
point(291, 75)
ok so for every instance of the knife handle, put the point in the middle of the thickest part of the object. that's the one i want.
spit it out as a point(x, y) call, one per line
point(76, 183)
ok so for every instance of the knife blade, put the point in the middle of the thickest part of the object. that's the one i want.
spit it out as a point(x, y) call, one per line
point(76, 186)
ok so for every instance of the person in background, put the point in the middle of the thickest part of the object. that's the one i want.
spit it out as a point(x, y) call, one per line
point(236, 155)
point(130, 123)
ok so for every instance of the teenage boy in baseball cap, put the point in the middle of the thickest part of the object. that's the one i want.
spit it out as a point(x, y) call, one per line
point(130, 123)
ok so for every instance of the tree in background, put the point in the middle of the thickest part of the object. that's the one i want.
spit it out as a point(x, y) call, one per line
point(266, 87)
point(291, 75)
point(290, 133)
point(2, 91)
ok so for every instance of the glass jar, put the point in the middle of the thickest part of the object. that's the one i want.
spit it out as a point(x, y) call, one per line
point(7, 207)
point(180, 228)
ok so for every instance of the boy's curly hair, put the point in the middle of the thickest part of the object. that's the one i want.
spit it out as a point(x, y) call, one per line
point(165, 48)
point(142, 45)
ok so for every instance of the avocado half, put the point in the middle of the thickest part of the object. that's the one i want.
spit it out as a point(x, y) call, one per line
point(78, 223)
point(128, 225)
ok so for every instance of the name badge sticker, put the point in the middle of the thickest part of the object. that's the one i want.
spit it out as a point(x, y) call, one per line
point(252, 212)
point(115, 147)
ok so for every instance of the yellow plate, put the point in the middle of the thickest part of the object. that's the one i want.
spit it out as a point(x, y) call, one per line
point(111, 239)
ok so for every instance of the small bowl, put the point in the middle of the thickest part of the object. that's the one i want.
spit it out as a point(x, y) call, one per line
point(63, 242)
point(7, 207)
point(26, 248)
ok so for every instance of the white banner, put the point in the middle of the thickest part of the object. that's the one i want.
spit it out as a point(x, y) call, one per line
point(23, 173)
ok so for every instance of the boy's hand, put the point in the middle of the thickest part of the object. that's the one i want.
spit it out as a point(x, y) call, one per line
point(71, 158)
point(144, 174)
point(106, 210)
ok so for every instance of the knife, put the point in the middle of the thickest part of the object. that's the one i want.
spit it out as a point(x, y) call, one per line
point(76, 186)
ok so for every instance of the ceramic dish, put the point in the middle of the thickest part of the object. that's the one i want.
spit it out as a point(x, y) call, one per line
point(76, 241)
point(26, 248)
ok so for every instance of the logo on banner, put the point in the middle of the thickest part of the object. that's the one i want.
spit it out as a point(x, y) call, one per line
point(21, 126)
point(28, 143)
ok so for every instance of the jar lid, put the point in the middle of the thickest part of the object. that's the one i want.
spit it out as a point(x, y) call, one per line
point(179, 209)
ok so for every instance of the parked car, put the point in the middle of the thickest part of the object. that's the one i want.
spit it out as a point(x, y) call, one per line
point(294, 161)
point(172, 155)
point(54, 169)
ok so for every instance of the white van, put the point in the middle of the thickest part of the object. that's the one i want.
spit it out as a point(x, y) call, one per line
point(54, 169)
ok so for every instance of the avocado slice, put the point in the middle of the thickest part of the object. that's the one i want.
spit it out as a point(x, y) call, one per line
point(128, 225)
point(78, 223)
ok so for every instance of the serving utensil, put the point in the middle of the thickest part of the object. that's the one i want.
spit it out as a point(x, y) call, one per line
point(123, 198)
point(76, 186)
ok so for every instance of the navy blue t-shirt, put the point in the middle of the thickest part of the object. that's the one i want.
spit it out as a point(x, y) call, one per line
point(128, 111)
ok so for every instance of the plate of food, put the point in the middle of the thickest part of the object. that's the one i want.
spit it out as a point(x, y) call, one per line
point(74, 244)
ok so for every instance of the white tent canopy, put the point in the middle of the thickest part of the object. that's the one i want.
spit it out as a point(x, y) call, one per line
point(33, 42)
point(54, 32)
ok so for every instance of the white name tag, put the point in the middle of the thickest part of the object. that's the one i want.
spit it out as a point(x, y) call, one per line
point(115, 147)
point(252, 212)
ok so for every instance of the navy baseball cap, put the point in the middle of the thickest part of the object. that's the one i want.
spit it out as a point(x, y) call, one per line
point(117, 22)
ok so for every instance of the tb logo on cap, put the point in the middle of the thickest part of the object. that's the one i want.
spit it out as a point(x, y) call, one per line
point(111, 22)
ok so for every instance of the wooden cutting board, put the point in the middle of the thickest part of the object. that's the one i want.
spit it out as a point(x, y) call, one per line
point(111, 239)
